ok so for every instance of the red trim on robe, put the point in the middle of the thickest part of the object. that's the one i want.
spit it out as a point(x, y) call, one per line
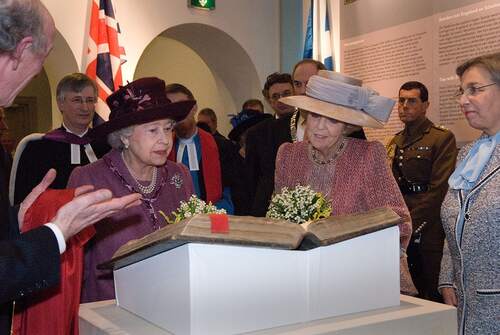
point(210, 167)
point(54, 311)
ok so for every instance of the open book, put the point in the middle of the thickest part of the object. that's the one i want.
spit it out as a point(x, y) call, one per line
point(253, 231)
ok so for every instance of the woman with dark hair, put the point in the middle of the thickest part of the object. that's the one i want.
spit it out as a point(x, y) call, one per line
point(470, 269)
point(140, 132)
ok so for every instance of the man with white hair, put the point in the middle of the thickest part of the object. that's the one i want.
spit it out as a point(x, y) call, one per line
point(30, 262)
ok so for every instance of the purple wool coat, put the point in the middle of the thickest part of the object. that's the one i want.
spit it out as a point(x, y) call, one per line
point(173, 186)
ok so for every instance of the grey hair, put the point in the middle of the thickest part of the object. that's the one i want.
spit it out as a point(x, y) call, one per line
point(490, 63)
point(20, 19)
point(75, 82)
point(115, 138)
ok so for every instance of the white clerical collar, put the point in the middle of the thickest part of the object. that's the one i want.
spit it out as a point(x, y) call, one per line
point(75, 148)
point(191, 150)
point(72, 132)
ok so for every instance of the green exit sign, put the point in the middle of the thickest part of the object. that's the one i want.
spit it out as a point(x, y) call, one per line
point(202, 4)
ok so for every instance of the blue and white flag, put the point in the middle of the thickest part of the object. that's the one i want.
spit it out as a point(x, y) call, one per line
point(319, 38)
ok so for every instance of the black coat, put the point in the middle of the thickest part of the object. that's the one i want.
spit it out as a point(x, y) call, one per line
point(42, 154)
point(262, 143)
point(28, 262)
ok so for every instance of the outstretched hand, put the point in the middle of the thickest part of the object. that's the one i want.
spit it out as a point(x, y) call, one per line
point(85, 209)
point(88, 208)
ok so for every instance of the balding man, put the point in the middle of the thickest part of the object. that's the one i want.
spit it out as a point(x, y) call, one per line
point(30, 262)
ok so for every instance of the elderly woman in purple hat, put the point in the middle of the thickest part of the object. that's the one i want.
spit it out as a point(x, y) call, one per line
point(351, 173)
point(140, 132)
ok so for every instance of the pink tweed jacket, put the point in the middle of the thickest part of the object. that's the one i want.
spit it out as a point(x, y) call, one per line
point(359, 180)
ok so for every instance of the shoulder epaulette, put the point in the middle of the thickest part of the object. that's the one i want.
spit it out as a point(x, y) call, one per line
point(440, 127)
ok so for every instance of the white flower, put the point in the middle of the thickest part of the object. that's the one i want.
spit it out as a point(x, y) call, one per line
point(299, 205)
point(193, 206)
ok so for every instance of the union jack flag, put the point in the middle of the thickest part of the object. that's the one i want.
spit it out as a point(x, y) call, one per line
point(104, 55)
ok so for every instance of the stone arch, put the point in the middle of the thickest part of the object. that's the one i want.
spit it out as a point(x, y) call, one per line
point(227, 75)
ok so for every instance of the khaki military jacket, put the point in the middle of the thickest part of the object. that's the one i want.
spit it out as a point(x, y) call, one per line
point(423, 157)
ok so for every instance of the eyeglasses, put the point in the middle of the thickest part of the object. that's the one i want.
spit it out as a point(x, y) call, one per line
point(81, 100)
point(298, 83)
point(278, 95)
point(471, 91)
point(408, 101)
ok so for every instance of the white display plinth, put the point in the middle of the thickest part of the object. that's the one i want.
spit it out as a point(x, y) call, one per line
point(220, 289)
point(412, 317)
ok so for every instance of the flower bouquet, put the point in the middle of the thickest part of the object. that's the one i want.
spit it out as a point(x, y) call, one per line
point(299, 205)
point(190, 208)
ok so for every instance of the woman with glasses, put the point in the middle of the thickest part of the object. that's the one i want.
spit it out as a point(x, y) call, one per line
point(470, 269)
point(140, 132)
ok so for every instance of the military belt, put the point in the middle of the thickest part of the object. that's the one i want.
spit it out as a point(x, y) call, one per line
point(412, 188)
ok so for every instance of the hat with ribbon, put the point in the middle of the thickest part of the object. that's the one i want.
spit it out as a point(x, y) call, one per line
point(141, 101)
point(342, 98)
point(244, 120)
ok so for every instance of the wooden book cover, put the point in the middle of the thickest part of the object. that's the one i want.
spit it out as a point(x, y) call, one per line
point(253, 231)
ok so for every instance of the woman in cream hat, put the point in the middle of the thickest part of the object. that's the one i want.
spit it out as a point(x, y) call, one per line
point(351, 173)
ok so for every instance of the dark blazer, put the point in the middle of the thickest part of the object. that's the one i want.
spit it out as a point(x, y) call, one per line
point(262, 143)
point(28, 262)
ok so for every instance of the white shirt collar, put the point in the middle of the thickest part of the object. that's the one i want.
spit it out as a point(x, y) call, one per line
point(71, 132)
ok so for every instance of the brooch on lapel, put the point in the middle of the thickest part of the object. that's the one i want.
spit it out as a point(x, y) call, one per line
point(176, 180)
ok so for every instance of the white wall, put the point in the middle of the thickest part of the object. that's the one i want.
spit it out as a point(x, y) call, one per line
point(171, 66)
point(254, 25)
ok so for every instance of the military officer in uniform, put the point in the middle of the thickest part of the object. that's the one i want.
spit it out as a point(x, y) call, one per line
point(423, 157)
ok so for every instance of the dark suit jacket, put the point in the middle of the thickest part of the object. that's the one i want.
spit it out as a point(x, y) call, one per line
point(28, 262)
point(262, 143)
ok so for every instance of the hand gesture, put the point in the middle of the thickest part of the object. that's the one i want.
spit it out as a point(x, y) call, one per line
point(88, 208)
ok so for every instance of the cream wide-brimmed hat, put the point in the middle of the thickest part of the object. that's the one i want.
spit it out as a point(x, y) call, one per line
point(342, 98)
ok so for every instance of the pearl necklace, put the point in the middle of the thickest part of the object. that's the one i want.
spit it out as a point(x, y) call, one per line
point(315, 154)
point(143, 189)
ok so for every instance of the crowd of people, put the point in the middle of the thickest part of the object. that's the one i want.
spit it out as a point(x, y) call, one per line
point(108, 183)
